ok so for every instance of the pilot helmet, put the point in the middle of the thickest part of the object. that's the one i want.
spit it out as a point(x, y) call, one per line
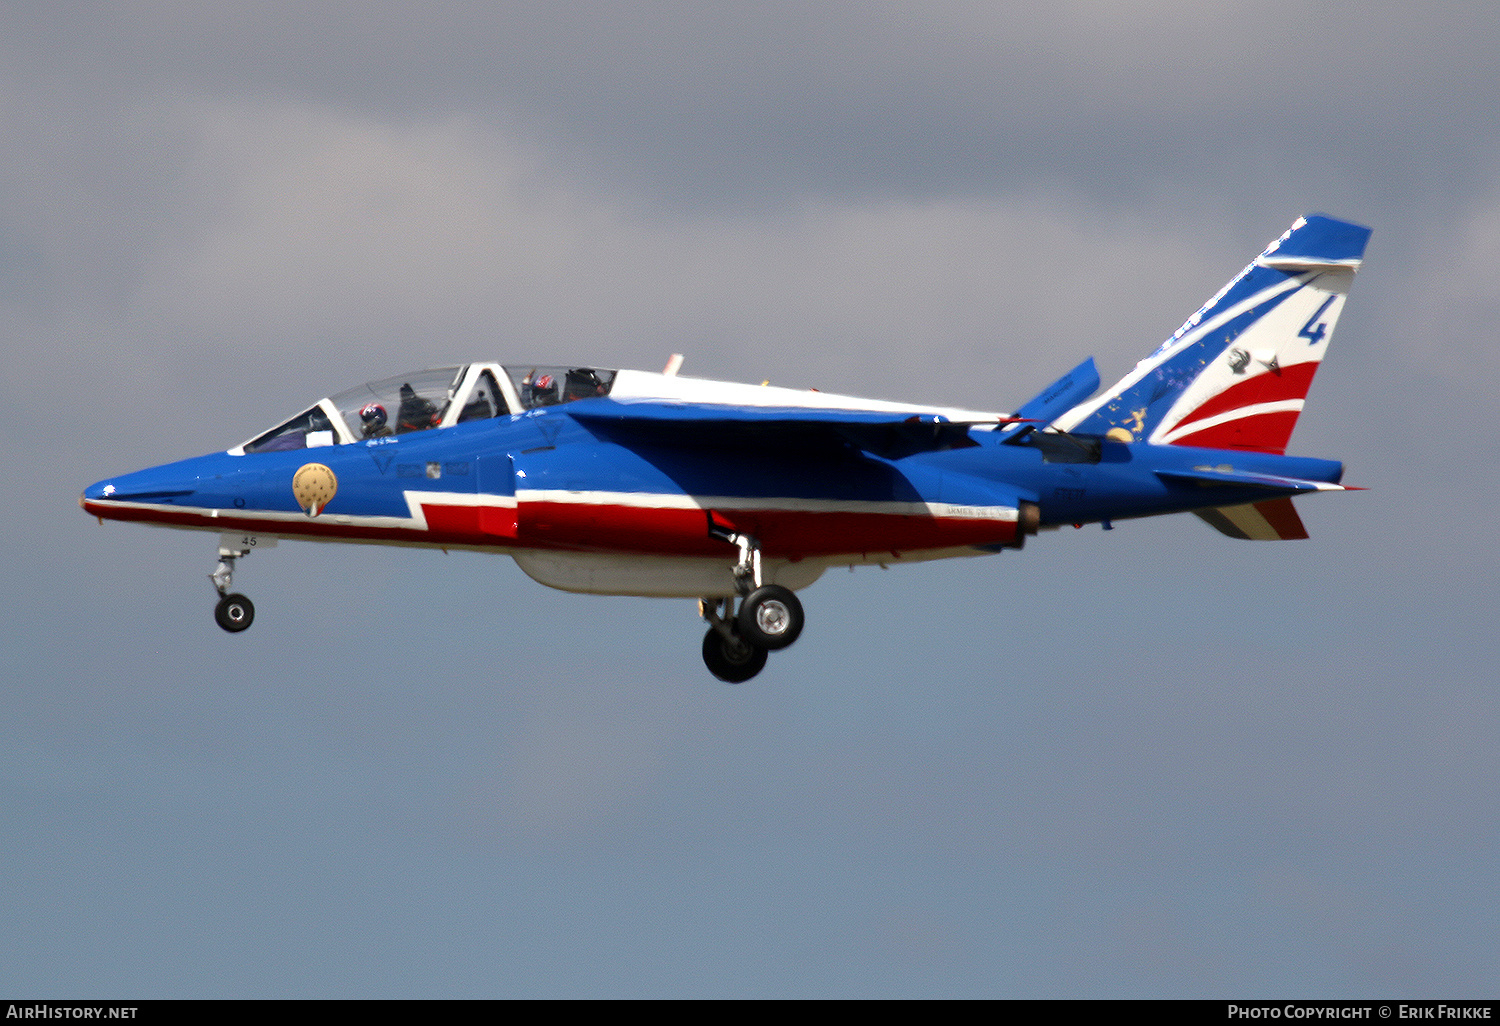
point(372, 417)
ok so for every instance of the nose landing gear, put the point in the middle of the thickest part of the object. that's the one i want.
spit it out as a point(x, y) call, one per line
point(234, 612)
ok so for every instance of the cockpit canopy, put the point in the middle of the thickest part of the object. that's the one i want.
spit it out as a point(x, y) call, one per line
point(435, 398)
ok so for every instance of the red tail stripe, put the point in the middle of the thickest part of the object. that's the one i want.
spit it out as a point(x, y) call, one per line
point(1269, 387)
point(1261, 432)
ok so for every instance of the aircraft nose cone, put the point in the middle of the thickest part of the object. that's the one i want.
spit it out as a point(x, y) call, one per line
point(165, 484)
point(131, 496)
point(94, 494)
point(97, 491)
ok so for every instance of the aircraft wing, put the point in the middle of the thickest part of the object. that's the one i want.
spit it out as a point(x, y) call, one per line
point(709, 425)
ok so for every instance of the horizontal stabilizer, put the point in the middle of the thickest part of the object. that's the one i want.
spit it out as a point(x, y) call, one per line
point(1271, 520)
point(1062, 395)
point(1209, 476)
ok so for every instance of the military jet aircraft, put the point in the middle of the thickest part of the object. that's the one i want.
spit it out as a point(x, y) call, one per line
point(623, 482)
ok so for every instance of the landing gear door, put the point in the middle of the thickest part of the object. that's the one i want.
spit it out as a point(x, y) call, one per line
point(497, 495)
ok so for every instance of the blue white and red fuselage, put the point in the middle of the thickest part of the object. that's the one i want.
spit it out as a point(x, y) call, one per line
point(583, 509)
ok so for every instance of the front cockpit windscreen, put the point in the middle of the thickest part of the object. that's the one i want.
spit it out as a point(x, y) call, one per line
point(307, 430)
point(395, 406)
point(399, 405)
point(549, 386)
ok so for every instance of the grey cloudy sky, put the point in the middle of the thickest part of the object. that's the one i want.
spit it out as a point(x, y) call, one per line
point(1147, 762)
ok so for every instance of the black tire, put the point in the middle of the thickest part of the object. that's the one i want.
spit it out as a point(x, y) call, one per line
point(234, 613)
point(733, 662)
point(771, 617)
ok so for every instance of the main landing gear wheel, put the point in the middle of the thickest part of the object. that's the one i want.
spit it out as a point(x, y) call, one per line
point(770, 617)
point(733, 659)
point(234, 613)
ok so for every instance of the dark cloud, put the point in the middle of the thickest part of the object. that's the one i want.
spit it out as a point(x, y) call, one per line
point(707, 103)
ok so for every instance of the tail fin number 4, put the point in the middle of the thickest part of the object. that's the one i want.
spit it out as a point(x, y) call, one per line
point(1314, 335)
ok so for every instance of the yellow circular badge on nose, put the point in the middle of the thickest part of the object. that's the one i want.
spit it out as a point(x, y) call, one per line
point(314, 487)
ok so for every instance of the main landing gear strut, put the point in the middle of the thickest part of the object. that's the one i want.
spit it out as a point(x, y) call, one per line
point(234, 612)
point(769, 617)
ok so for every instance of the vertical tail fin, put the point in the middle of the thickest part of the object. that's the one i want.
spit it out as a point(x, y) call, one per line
point(1236, 375)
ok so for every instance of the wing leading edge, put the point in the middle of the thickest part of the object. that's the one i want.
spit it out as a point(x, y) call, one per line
point(707, 425)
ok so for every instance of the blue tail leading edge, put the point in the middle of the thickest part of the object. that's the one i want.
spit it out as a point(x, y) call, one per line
point(633, 483)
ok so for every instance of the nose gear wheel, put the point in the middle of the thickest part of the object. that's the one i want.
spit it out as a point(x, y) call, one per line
point(234, 613)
